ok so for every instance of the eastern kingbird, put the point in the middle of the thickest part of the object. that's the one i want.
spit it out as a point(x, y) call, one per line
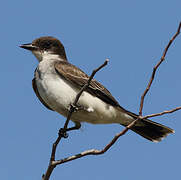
point(56, 83)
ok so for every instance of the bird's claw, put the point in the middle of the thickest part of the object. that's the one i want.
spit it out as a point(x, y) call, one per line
point(63, 133)
point(75, 108)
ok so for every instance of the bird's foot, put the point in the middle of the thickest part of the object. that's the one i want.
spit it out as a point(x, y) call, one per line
point(62, 132)
point(76, 108)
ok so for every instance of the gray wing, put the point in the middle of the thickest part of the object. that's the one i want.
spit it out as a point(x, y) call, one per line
point(79, 78)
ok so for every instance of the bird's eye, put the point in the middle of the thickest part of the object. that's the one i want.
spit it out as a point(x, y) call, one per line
point(46, 45)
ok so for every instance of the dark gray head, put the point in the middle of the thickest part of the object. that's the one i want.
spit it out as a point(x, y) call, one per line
point(46, 45)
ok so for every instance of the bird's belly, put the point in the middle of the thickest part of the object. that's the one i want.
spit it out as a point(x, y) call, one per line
point(96, 111)
point(59, 95)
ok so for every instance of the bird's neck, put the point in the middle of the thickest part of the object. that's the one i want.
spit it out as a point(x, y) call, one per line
point(41, 56)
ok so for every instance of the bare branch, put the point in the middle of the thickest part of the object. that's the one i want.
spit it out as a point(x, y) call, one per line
point(53, 163)
point(155, 69)
point(95, 151)
point(162, 113)
point(72, 109)
point(51, 166)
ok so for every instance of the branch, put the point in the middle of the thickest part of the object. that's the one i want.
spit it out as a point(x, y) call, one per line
point(155, 69)
point(162, 113)
point(53, 163)
point(98, 152)
point(51, 166)
point(95, 151)
point(72, 108)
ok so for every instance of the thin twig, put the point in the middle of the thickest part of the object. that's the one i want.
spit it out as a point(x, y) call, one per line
point(98, 152)
point(54, 163)
point(51, 166)
point(72, 109)
point(95, 151)
point(155, 69)
point(162, 113)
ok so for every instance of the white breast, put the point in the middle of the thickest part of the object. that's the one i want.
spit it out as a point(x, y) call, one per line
point(54, 90)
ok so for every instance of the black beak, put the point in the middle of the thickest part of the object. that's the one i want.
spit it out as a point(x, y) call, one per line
point(29, 47)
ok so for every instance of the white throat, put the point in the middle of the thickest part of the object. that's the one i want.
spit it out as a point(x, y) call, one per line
point(43, 55)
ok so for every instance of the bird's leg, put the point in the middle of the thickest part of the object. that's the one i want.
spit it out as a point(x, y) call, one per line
point(76, 107)
point(72, 108)
point(63, 132)
point(76, 127)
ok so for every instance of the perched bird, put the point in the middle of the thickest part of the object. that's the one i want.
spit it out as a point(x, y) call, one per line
point(56, 83)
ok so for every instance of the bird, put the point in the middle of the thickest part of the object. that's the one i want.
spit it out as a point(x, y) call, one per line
point(56, 83)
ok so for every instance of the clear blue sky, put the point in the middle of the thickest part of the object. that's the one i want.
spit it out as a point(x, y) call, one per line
point(133, 35)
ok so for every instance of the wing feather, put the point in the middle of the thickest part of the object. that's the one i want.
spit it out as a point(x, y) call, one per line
point(79, 78)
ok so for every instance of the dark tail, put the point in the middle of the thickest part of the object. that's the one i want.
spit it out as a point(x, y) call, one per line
point(151, 130)
point(148, 129)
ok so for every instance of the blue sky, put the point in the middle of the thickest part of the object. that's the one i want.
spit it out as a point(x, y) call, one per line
point(133, 35)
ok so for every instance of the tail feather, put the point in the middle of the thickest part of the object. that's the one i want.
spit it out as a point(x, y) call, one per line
point(151, 130)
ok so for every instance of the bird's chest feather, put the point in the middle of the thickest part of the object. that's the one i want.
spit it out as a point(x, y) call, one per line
point(54, 90)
